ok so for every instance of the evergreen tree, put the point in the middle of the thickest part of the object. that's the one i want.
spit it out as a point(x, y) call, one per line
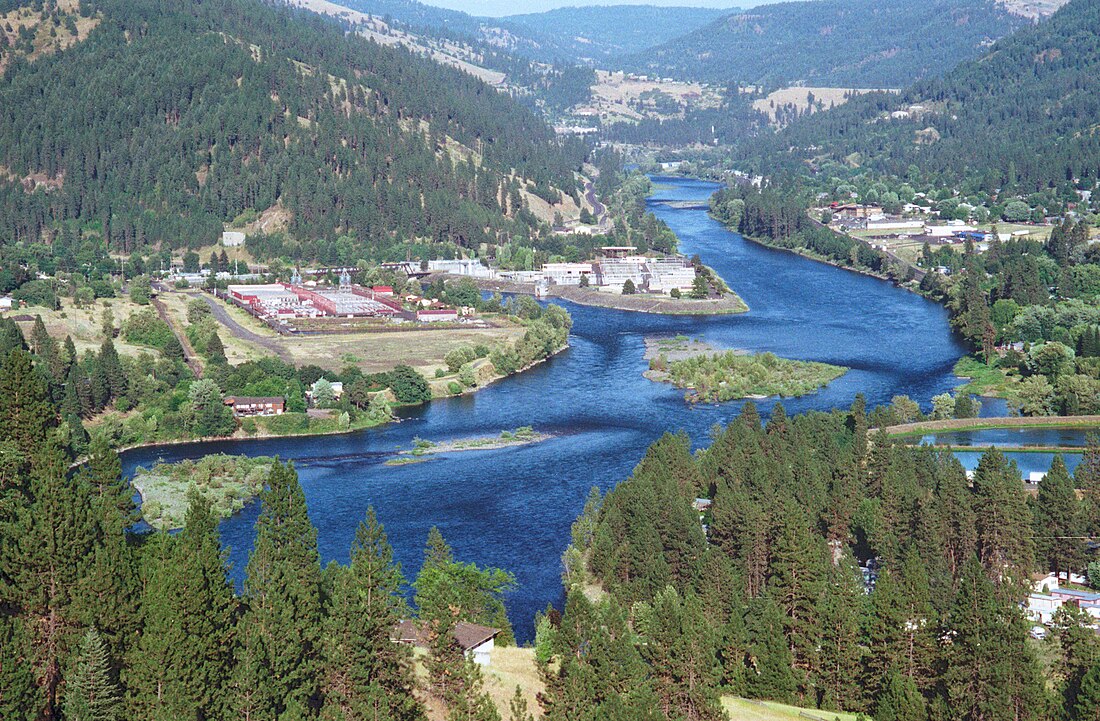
point(1002, 520)
point(112, 369)
point(769, 673)
point(1057, 521)
point(990, 673)
point(681, 648)
point(1087, 706)
point(841, 650)
point(1087, 477)
point(20, 699)
point(517, 707)
point(367, 675)
point(900, 700)
point(182, 664)
point(277, 667)
point(90, 692)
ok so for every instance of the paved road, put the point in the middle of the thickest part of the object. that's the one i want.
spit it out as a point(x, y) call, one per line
point(222, 316)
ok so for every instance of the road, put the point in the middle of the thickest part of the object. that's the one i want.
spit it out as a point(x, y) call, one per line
point(598, 208)
point(239, 331)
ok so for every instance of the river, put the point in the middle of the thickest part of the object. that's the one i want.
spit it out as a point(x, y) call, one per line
point(512, 508)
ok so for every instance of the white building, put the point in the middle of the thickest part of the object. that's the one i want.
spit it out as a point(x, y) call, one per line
point(6, 302)
point(463, 266)
point(914, 224)
point(232, 238)
point(567, 273)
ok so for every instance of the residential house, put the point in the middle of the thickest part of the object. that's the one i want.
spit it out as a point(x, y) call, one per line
point(256, 405)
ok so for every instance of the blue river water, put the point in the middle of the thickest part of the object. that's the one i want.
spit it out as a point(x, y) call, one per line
point(512, 508)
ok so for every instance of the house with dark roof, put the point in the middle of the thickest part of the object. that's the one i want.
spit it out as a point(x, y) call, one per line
point(256, 406)
point(476, 641)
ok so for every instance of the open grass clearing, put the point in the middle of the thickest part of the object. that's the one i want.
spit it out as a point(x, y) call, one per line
point(743, 709)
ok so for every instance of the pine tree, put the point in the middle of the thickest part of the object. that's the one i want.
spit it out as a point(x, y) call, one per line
point(681, 648)
point(90, 692)
point(470, 701)
point(20, 699)
point(990, 673)
point(796, 581)
point(1002, 520)
point(884, 634)
point(367, 675)
point(1087, 706)
point(900, 700)
point(1057, 521)
point(55, 539)
point(182, 665)
point(841, 650)
point(1087, 477)
point(112, 369)
point(769, 674)
point(280, 630)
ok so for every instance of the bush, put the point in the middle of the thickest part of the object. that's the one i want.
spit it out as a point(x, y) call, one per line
point(146, 328)
point(454, 387)
point(408, 386)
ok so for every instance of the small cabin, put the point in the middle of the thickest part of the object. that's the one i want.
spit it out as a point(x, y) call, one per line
point(476, 641)
point(256, 405)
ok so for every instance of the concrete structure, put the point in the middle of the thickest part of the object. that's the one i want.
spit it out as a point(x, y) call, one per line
point(567, 273)
point(468, 267)
point(232, 238)
point(890, 224)
point(256, 405)
point(946, 231)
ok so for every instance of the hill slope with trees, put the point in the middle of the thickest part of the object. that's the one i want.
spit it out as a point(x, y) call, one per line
point(1021, 117)
point(862, 43)
point(170, 119)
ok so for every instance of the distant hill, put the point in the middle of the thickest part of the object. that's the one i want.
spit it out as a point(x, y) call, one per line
point(847, 43)
point(1024, 115)
point(573, 34)
point(601, 32)
point(150, 123)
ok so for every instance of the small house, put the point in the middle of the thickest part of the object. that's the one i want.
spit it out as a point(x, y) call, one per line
point(256, 405)
point(6, 302)
point(476, 641)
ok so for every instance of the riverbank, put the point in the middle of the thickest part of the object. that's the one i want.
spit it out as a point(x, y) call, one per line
point(923, 428)
point(728, 304)
point(228, 482)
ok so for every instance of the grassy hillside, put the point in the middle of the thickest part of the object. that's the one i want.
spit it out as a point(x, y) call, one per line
point(850, 43)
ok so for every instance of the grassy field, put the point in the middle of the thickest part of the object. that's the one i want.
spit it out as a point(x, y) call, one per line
point(921, 428)
point(236, 350)
point(510, 667)
point(84, 325)
point(798, 97)
point(741, 709)
point(228, 482)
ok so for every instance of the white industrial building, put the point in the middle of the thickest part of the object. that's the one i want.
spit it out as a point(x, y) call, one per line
point(567, 273)
point(463, 266)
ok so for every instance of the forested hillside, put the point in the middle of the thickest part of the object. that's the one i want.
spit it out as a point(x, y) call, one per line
point(172, 118)
point(1020, 118)
point(848, 43)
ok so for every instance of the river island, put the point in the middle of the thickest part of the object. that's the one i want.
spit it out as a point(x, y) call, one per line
point(713, 375)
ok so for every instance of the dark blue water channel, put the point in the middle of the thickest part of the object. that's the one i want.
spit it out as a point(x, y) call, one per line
point(512, 508)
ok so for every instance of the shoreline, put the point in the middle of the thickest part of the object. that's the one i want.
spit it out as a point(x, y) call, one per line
point(731, 304)
point(922, 428)
point(238, 435)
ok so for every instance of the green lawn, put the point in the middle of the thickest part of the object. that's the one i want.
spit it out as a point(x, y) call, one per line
point(984, 380)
